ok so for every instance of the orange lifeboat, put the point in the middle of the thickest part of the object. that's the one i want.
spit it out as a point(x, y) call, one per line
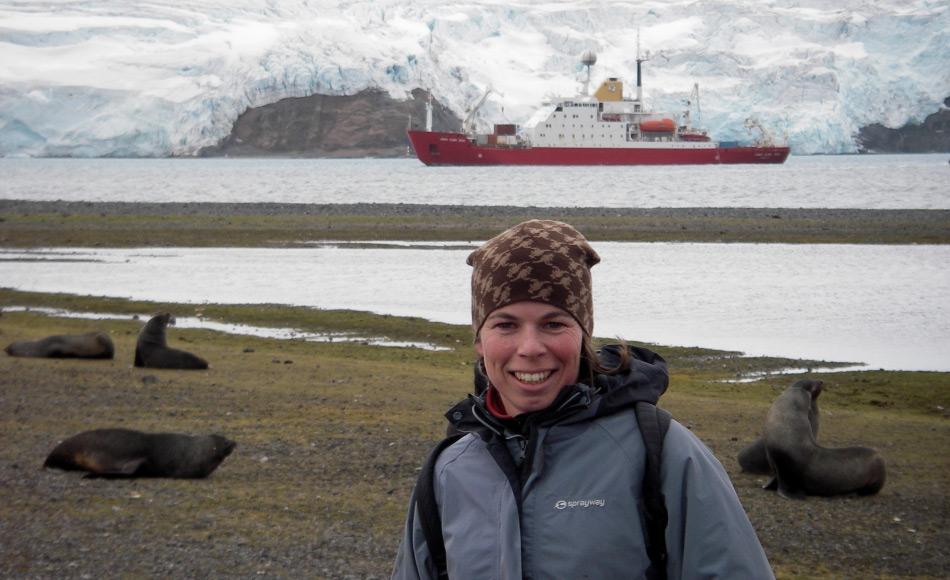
point(658, 126)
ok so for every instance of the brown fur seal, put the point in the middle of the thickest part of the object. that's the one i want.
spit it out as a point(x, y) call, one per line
point(128, 453)
point(800, 465)
point(753, 459)
point(88, 345)
point(152, 351)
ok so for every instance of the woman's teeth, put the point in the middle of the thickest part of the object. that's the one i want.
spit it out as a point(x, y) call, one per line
point(533, 377)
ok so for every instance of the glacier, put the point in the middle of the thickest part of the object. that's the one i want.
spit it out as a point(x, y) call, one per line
point(108, 78)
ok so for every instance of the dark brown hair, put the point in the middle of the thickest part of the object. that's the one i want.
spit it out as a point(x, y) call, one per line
point(591, 365)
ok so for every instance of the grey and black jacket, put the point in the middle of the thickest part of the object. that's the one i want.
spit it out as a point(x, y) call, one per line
point(556, 495)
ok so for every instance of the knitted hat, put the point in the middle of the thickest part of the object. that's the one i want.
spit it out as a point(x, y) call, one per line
point(542, 260)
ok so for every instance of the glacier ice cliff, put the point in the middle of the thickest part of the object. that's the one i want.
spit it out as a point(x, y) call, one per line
point(111, 78)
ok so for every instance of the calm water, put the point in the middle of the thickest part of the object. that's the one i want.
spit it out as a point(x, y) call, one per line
point(857, 181)
point(886, 306)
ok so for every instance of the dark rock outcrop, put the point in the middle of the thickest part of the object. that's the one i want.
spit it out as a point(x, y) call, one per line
point(367, 124)
point(931, 136)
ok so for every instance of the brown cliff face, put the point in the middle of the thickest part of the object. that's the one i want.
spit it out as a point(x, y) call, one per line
point(367, 124)
point(931, 136)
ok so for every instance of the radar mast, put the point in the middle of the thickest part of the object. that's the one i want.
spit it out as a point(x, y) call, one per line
point(588, 59)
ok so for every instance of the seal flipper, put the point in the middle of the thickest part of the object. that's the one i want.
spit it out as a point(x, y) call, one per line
point(772, 485)
point(790, 493)
point(117, 468)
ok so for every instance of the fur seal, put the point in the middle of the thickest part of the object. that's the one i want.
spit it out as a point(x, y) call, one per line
point(801, 466)
point(753, 459)
point(128, 453)
point(152, 351)
point(88, 345)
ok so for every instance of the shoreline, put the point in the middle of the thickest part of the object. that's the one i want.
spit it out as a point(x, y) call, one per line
point(122, 224)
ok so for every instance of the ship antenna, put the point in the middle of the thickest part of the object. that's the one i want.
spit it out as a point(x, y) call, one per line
point(699, 109)
point(640, 59)
point(588, 59)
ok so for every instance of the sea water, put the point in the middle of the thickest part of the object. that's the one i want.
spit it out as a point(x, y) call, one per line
point(850, 181)
point(883, 306)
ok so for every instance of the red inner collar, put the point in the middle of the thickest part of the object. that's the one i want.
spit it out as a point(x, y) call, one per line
point(495, 405)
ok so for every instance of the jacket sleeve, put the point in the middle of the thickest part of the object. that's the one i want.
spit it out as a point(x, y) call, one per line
point(412, 559)
point(708, 534)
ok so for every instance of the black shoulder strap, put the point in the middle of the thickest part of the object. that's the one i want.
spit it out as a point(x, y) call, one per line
point(654, 423)
point(424, 498)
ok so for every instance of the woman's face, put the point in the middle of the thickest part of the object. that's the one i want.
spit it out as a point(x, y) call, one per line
point(531, 351)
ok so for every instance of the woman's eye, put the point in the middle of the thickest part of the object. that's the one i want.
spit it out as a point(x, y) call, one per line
point(504, 325)
point(555, 325)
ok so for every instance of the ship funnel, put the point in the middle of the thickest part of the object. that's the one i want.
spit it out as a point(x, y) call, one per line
point(588, 59)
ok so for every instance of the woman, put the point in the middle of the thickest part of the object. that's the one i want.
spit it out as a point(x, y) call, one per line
point(548, 479)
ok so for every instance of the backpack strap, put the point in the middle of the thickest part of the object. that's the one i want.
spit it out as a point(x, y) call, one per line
point(424, 498)
point(654, 423)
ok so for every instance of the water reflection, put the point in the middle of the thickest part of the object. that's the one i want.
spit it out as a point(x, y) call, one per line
point(886, 306)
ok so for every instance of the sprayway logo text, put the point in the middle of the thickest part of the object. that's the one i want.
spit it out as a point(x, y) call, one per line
point(578, 503)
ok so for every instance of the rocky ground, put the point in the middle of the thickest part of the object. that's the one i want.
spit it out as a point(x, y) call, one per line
point(330, 437)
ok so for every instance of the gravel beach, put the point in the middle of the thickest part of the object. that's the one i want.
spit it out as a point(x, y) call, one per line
point(31, 223)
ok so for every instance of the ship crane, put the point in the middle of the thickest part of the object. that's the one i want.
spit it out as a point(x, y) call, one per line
point(468, 125)
point(765, 138)
point(693, 100)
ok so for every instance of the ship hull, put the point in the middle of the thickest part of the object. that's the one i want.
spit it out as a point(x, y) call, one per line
point(436, 148)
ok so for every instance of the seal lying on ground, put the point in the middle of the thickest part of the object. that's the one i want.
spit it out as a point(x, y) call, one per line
point(151, 349)
point(128, 453)
point(88, 345)
point(800, 465)
point(753, 459)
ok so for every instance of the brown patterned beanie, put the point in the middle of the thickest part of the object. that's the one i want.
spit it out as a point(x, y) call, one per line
point(543, 260)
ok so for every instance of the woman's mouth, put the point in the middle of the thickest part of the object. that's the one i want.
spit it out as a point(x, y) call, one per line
point(535, 378)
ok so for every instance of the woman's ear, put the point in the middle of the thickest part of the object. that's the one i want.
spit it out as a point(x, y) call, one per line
point(478, 347)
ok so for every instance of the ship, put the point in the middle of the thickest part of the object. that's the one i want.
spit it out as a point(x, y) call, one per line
point(603, 128)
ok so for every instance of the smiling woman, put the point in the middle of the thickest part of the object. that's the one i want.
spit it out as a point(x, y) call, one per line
point(531, 351)
point(552, 444)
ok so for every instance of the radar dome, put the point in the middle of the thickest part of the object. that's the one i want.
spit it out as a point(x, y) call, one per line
point(589, 58)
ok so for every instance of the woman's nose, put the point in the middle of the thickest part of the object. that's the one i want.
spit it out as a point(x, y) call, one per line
point(530, 343)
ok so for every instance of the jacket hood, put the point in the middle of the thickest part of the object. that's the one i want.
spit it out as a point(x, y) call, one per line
point(645, 379)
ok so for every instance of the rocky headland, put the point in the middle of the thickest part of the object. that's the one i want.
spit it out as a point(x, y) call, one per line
point(367, 124)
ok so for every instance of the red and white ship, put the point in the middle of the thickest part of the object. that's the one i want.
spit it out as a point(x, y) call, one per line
point(600, 129)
